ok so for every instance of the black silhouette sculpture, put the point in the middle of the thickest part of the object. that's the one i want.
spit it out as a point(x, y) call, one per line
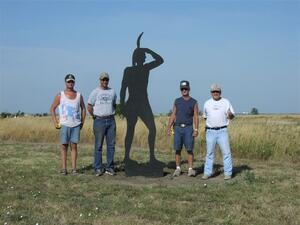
point(135, 79)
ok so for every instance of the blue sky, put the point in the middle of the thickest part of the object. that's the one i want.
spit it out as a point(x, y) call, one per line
point(252, 48)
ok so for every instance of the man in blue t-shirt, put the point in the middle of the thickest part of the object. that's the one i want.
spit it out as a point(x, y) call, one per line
point(184, 115)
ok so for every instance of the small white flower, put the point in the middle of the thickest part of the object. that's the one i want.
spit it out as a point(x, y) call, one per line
point(5, 223)
point(205, 185)
point(7, 213)
point(37, 224)
point(96, 208)
point(90, 214)
point(80, 215)
point(21, 217)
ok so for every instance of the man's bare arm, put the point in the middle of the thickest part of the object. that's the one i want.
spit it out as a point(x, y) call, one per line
point(196, 120)
point(171, 120)
point(83, 111)
point(54, 105)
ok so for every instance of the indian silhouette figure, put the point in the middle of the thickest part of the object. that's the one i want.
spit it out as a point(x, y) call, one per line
point(135, 80)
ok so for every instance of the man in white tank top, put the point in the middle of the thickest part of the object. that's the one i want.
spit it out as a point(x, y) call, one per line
point(217, 111)
point(71, 119)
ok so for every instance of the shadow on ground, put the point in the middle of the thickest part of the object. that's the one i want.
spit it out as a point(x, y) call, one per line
point(141, 174)
point(149, 169)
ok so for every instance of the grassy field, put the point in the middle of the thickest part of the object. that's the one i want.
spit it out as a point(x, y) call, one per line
point(32, 192)
point(256, 137)
point(264, 190)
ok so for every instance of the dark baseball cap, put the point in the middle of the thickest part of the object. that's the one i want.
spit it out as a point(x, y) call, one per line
point(184, 84)
point(69, 77)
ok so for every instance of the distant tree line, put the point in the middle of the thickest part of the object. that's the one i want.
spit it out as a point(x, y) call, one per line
point(20, 114)
point(253, 111)
point(10, 115)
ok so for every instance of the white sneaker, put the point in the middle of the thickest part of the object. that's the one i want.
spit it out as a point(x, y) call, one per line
point(191, 172)
point(227, 177)
point(177, 173)
point(205, 177)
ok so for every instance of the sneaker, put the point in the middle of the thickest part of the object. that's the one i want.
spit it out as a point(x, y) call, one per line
point(63, 172)
point(74, 172)
point(110, 171)
point(191, 173)
point(205, 177)
point(227, 177)
point(99, 172)
point(177, 173)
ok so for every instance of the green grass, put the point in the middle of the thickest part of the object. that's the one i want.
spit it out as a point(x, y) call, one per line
point(32, 191)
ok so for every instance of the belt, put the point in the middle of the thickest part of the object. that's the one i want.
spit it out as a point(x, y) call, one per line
point(182, 125)
point(104, 117)
point(215, 128)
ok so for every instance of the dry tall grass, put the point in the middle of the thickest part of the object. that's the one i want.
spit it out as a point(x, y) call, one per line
point(260, 137)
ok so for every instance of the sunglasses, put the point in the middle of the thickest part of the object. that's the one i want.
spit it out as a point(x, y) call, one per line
point(70, 81)
point(105, 79)
point(184, 89)
point(215, 91)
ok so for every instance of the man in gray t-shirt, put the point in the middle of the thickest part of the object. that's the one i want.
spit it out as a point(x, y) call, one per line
point(101, 106)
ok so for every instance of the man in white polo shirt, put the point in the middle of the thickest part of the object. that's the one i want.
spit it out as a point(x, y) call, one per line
point(217, 111)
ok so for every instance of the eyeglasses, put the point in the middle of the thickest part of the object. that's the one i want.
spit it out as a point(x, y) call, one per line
point(215, 92)
point(70, 81)
point(105, 79)
point(184, 89)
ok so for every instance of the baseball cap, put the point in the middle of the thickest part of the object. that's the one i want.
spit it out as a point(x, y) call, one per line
point(104, 75)
point(69, 77)
point(215, 87)
point(184, 84)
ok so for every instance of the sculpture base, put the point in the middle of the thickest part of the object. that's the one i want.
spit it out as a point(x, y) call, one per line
point(150, 169)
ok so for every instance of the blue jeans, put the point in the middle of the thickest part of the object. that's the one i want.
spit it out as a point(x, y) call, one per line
point(221, 138)
point(104, 128)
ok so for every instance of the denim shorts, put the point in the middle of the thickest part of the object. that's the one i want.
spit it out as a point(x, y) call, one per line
point(69, 134)
point(183, 136)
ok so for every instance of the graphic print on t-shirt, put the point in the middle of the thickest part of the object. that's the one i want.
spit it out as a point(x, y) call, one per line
point(69, 112)
point(104, 99)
